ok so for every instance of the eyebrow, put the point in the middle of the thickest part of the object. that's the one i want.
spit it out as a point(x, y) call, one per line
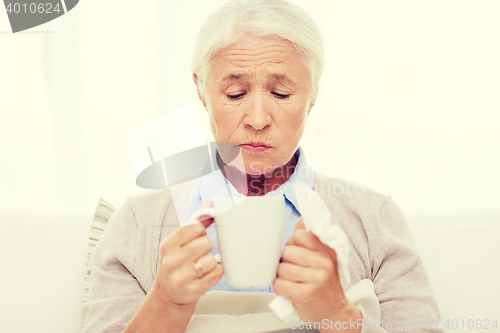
point(281, 77)
point(234, 77)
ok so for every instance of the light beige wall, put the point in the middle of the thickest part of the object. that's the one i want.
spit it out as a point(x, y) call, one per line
point(408, 104)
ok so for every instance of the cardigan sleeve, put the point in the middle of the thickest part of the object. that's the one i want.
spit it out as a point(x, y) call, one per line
point(406, 298)
point(115, 294)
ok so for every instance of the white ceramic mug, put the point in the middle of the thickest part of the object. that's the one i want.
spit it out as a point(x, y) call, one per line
point(249, 233)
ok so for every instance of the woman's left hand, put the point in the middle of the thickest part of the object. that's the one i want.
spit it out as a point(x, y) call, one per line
point(308, 276)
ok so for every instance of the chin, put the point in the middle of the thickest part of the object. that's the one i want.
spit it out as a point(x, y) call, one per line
point(256, 168)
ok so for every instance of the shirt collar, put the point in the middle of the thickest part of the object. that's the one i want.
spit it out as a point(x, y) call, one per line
point(215, 184)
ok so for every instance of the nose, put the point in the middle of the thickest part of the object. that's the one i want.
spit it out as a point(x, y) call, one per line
point(258, 115)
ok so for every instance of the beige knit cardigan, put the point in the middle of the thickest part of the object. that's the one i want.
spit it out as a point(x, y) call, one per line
point(381, 246)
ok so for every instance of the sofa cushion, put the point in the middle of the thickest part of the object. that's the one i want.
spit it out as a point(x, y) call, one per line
point(101, 216)
point(42, 258)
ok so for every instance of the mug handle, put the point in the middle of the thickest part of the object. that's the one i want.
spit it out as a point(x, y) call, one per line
point(207, 212)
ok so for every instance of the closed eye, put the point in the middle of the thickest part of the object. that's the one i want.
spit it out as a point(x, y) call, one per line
point(235, 97)
point(281, 96)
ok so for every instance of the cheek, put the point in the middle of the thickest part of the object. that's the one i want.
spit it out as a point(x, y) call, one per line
point(293, 122)
point(223, 121)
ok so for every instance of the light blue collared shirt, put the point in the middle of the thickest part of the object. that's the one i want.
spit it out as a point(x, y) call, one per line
point(214, 185)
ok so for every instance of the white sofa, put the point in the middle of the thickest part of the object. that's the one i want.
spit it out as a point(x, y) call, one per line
point(43, 262)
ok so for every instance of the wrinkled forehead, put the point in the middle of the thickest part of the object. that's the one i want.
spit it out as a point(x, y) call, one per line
point(262, 58)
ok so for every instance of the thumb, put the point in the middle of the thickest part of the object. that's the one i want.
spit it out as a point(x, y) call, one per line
point(300, 223)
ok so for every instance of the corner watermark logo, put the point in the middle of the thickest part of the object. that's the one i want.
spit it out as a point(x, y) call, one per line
point(25, 15)
point(360, 323)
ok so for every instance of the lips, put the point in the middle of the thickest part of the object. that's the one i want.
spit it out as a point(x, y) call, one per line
point(256, 144)
point(255, 147)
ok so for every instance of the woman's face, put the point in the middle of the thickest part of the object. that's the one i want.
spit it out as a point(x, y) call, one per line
point(258, 96)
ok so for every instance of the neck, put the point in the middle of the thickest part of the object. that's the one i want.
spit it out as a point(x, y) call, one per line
point(257, 185)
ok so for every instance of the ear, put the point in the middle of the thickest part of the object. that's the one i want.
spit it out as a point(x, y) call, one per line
point(195, 79)
point(310, 107)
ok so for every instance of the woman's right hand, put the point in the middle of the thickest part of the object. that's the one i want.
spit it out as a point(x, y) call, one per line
point(178, 282)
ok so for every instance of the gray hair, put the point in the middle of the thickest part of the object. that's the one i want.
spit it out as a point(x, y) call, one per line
point(266, 18)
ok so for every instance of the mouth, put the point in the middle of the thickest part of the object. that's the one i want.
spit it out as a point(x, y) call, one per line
point(255, 147)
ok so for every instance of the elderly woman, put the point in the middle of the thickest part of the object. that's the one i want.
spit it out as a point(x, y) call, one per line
point(256, 66)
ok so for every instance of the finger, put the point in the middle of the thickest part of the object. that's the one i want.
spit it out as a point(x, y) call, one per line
point(305, 257)
point(300, 224)
point(291, 241)
point(208, 221)
point(189, 232)
point(288, 289)
point(196, 248)
point(307, 239)
point(208, 264)
point(295, 273)
point(210, 279)
point(185, 234)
